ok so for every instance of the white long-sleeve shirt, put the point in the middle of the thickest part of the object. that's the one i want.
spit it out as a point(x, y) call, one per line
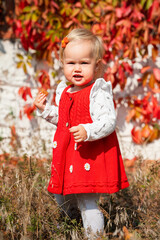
point(102, 110)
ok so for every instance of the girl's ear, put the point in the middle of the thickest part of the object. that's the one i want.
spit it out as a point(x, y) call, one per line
point(98, 63)
point(99, 68)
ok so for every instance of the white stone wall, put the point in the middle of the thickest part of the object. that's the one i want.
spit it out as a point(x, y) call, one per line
point(35, 136)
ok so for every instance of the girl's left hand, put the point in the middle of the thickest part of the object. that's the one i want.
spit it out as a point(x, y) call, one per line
point(79, 133)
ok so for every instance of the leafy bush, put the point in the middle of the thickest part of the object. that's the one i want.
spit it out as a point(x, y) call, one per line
point(127, 29)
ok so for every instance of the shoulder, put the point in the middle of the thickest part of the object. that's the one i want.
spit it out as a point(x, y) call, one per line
point(60, 88)
point(101, 86)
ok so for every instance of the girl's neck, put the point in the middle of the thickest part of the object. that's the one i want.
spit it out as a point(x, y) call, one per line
point(75, 88)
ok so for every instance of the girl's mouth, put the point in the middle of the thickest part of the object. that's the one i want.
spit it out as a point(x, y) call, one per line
point(77, 76)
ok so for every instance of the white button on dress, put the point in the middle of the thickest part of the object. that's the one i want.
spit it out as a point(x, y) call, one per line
point(54, 144)
point(87, 166)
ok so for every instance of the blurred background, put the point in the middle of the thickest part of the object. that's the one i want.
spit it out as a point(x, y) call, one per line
point(30, 34)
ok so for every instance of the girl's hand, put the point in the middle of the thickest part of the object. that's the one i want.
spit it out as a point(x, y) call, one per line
point(79, 133)
point(40, 101)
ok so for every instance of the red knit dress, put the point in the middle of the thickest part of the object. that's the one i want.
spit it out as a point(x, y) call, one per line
point(86, 167)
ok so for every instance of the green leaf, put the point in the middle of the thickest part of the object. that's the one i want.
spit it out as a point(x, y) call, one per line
point(19, 64)
point(34, 17)
point(53, 38)
point(58, 24)
point(29, 57)
point(29, 63)
point(53, 74)
point(28, 16)
point(20, 56)
point(115, 2)
point(49, 33)
point(148, 4)
point(156, 125)
point(68, 11)
point(142, 3)
point(75, 12)
point(22, 17)
point(88, 13)
point(82, 17)
point(1, 138)
point(24, 68)
point(83, 2)
point(27, 9)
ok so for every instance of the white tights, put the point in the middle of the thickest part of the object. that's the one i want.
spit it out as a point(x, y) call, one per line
point(92, 217)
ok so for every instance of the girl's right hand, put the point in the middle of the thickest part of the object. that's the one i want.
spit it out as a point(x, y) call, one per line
point(40, 101)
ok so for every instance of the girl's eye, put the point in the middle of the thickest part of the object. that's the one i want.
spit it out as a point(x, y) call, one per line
point(84, 63)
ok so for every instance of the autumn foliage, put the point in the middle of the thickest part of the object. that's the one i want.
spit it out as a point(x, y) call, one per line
point(127, 29)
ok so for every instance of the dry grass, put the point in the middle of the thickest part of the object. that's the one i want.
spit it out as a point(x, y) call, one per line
point(29, 212)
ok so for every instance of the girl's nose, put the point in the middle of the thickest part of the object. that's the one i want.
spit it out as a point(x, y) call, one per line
point(77, 67)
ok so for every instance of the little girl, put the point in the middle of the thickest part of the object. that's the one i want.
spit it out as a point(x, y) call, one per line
point(86, 155)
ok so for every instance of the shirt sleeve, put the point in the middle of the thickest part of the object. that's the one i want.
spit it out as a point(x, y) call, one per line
point(50, 112)
point(102, 111)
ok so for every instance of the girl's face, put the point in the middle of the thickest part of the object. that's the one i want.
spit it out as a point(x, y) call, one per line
point(79, 64)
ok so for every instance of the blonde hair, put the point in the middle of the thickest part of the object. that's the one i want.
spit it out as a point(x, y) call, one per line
point(86, 35)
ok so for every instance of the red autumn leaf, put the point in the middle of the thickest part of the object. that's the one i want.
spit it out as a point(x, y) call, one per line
point(156, 90)
point(137, 101)
point(127, 67)
point(154, 134)
point(136, 136)
point(123, 11)
point(152, 81)
point(20, 114)
point(54, 4)
point(121, 76)
point(130, 115)
point(78, 4)
point(44, 92)
point(152, 9)
point(13, 130)
point(124, 22)
point(99, 28)
point(136, 15)
point(127, 235)
point(130, 163)
point(13, 136)
point(156, 112)
point(17, 28)
point(154, 53)
point(28, 110)
point(22, 4)
point(24, 92)
point(68, 24)
point(144, 69)
point(119, 12)
point(144, 78)
point(54, 99)
point(146, 35)
point(126, 53)
point(156, 72)
point(44, 79)
point(146, 131)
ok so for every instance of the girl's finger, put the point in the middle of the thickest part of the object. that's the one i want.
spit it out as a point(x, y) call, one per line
point(76, 137)
point(77, 140)
point(75, 134)
point(42, 98)
point(73, 129)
